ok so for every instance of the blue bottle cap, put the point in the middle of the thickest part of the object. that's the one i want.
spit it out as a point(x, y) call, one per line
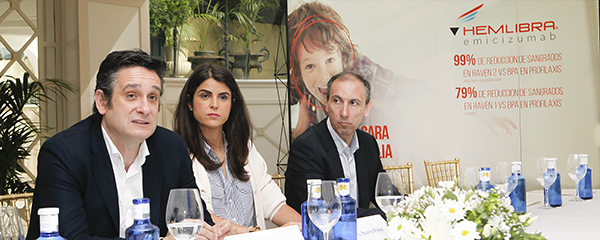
point(137, 201)
point(339, 180)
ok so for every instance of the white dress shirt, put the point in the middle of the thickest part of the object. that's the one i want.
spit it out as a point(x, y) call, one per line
point(347, 158)
point(129, 183)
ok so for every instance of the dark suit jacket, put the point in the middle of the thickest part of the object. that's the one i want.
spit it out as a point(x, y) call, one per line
point(76, 175)
point(314, 155)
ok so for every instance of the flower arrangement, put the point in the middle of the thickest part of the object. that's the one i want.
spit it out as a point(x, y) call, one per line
point(449, 213)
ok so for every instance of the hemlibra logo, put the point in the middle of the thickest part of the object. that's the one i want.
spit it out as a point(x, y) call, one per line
point(465, 17)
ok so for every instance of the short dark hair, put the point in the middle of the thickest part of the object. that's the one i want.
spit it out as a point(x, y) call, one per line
point(237, 128)
point(342, 75)
point(116, 60)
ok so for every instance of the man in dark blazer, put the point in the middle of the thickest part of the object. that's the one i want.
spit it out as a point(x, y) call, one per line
point(316, 153)
point(78, 168)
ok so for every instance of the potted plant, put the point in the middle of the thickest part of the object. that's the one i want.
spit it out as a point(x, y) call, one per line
point(205, 26)
point(167, 17)
point(246, 14)
point(17, 132)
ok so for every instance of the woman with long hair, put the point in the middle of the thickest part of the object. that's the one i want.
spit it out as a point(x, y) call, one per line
point(213, 119)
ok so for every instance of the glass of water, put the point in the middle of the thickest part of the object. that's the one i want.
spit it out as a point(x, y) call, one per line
point(185, 215)
point(389, 190)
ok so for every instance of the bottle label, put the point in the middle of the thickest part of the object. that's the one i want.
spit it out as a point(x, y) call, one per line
point(316, 191)
point(516, 167)
point(48, 223)
point(344, 188)
point(141, 211)
point(583, 159)
point(484, 174)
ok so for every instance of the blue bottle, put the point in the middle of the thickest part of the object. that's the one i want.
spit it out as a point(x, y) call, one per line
point(309, 230)
point(345, 228)
point(554, 191)
point(141, 229)
point(585, 185)
point(49, 224)
point(518, 197)
point(484, 179)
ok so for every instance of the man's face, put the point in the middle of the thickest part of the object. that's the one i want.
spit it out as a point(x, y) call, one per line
point(317, 66)
point(347, 106)
point(132, 117)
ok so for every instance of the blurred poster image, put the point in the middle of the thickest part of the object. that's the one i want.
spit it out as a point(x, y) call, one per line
point(486, 82)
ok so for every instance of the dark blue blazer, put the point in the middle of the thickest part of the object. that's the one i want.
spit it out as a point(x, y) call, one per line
point(76, 175)
point(314, 155)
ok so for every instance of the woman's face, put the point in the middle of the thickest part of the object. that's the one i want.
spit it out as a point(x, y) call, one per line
point(211, 104)
point(317, 66)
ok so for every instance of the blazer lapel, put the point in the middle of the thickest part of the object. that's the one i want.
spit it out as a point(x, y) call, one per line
point(103, 173)
point(152, 180)
point(329, 145)
point(362, 177)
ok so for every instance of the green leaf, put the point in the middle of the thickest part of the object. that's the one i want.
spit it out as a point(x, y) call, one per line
point(450, 195)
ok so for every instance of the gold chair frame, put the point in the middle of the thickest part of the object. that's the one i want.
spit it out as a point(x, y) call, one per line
point(406, 173)
point(445, 170)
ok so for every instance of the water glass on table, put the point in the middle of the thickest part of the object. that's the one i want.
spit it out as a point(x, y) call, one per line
point(545, 175)
point(502, 178)
point(324, 205)
point(469, 177)
point(576, 169)
point(389, 190)
point(185, 215)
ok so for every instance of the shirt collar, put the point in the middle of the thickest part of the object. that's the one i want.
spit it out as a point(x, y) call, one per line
point(339, 143)
point(113, 151)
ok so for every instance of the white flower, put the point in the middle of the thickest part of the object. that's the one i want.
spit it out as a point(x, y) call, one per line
point(465, 230)
point(403, 228)
point(440, 214)
point(453, 210)
point(487, 230)
point(523, 218)
point(446, 184)
point(483, 194)
point(435, 225)
point(530, 221)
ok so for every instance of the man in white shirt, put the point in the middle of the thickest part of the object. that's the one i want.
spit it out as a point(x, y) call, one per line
point(336, 148)
point(93, 170)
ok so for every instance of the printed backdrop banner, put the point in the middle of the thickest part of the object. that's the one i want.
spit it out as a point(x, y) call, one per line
point(483, 81)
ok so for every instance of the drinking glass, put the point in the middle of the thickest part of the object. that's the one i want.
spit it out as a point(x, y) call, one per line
point(469, 177)
point(389, 190)
point(545, 177)
point(185, 215)
point(502, 177)
point(10, 224)
point(576, 171)
point(324, 205)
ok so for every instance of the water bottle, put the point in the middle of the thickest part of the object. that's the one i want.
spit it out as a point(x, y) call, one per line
point(554, 191)
point(345, 228)
point(585, 185)
point(141, 229)
point(309, 230)
point(49, 224)
point(518, 196)
point(484, 179)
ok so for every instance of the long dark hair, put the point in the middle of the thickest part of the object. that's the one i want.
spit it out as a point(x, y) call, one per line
point(237, 127)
